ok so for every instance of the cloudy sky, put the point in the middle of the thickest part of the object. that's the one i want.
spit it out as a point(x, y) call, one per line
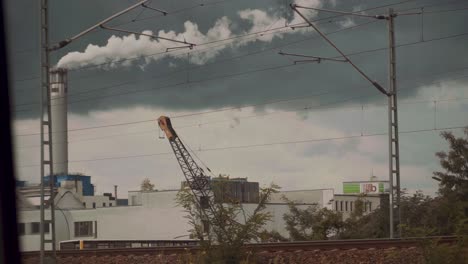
point(243, 108)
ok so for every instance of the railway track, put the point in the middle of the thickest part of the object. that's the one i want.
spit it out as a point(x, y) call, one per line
point(360, 244)
point(350, 244)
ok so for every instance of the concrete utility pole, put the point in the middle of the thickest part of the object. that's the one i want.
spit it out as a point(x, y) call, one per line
point(46, 141)
point(393, 141)
point(391, 93)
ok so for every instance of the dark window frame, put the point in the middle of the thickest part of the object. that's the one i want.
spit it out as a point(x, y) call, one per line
point(21, 229)
point(83, 229)
point(35, 228)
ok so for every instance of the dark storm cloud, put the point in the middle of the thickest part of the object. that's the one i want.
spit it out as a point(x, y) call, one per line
point(156, 84)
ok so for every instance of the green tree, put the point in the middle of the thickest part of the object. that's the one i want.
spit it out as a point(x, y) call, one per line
point(362, 225)
point(146, 185)
point(453, 183)
point(312, 223)
point(230, 225)
point(419, 213)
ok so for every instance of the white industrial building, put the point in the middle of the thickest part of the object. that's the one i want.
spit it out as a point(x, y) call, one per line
point(150, 215)
point(155, 215)
point(345, 203)
point(372, 193)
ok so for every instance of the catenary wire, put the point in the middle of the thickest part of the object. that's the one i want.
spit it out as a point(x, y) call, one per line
point(251, 71)
point(150, 120)
point(309, 108)
point(248, 146)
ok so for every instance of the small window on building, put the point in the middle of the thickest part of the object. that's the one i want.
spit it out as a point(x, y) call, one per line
point(94, 205)
point(83, 229)
point(346, 206)
point(351, 206)
point(370, 206)
point(55, 90)
point(95, 229)
point(365, 206)
point(46, 228)
point(84, 204)
point(35, 228)
point(21, 229)
point(341, 206)
point(336, 205)
point(103, 204)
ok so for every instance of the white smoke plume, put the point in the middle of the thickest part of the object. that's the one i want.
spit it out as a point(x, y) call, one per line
point(120, 51)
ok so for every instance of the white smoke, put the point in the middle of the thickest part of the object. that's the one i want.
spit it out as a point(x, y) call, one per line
point(127, 50)
point(348, 22)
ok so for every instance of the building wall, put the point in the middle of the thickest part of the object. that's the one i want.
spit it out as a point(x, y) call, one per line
point(157, 217)
point(346, 203)
point(30, 241)
point(134, 198)
point(98, 200)
point(321, 197)
point(235, 190)
point(87, 187)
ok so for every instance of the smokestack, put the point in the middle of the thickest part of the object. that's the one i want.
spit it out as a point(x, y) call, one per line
point(115, 192)
point(59, 108)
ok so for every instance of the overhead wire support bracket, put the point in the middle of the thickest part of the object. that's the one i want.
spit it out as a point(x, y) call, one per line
point(374, 83)
point(155, 9)
point(189, 45)
point(67, 41)
point(181, 47)
point(342, 12)
point(299, 26)
point(314, 58)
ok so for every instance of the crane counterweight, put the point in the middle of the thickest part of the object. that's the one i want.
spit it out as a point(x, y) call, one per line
point(164, 123)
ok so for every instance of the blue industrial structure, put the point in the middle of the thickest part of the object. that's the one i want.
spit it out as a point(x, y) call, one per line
point(88, 188)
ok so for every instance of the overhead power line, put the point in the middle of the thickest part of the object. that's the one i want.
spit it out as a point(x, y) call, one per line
point(319, 107)
point(249, 146)
point(257, 33)
point(241, 73)
point(219, 110)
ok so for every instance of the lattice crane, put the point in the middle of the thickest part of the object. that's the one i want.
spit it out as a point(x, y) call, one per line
point(197, 180)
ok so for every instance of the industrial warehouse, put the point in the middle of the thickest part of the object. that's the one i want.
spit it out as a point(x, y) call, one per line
point(82, 215)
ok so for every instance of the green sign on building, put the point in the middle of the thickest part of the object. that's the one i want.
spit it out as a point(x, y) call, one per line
point(364, 187)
